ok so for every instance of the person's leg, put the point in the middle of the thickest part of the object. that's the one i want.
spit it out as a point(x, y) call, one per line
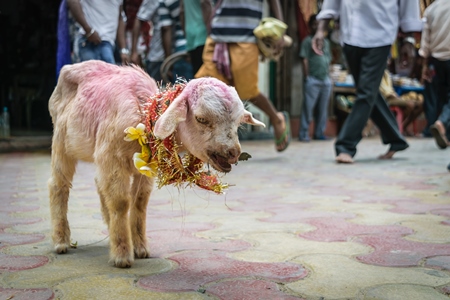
point(431, 103)
point(182, 68)
point(384, 119)
point(443, 72)
point(367, 67)
point(244, 59)
point(417, 109)
point(322, 109)
point(208, 67)
point(312, 90)
point(196, 58)
point(154, 70)
point(276, 118)
point(107, 52)
point(439, 129)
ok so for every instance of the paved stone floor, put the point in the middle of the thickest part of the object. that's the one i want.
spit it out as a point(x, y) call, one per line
point(294, 225)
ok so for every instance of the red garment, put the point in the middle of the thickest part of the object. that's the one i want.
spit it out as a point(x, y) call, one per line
point(302, 27)
point(131, 8)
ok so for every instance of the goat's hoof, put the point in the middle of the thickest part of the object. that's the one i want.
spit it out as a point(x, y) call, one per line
point(141, 252)
point(123, 263)
point(61, 248)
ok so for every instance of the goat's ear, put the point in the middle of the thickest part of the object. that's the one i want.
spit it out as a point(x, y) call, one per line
point(248, 118)
point(168, 121)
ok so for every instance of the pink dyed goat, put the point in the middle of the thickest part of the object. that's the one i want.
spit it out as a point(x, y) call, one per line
point(91, 106)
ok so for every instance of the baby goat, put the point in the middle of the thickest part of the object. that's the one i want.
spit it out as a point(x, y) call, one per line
point(91, 106)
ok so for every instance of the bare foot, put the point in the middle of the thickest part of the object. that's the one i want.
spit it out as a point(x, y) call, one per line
point(344, 158)
point(388, 155)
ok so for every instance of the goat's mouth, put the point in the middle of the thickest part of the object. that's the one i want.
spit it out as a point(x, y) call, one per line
point(219, 162)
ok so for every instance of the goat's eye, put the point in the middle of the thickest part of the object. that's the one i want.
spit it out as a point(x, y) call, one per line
point(201, 120)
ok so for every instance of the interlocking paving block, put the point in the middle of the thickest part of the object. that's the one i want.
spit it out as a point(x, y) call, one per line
point(341, 277)
point(394, 250)
point(248, 289)
point(326, 229)
point(8, 220)
point(114, 287)
point(402, 292)
point(338, 229)
point(20, 239)
point(79, 263)
point(18, 263)
point(429, 229)
point(199, 268)
point(280, 247)
point(441, 262)
point(26, 294)
point(163, 243)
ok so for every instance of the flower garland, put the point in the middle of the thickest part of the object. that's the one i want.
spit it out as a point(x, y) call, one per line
point(160, 158)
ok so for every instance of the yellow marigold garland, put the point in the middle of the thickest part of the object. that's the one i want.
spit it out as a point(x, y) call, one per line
point(160, 158)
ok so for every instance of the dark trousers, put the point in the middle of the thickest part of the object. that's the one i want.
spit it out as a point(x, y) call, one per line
point(442, 81)
point(367, 66)
point(196, 58)
point(432, 106)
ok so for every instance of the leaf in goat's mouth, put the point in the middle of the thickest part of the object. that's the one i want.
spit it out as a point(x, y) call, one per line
point(244, 156)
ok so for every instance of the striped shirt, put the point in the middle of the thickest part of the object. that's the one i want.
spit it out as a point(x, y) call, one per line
point(169, 15)
point(235, 20)
point(148, 11)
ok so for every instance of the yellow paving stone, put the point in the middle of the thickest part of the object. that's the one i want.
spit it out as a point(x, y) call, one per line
point(78, 263)
point(280, 247)
point(243, 225)
point(402, 292)
point(342, 277)
point(428, 230)
point(113, 287)
point(382, 217)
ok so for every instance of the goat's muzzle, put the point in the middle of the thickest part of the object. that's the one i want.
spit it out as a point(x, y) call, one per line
point(222, 161)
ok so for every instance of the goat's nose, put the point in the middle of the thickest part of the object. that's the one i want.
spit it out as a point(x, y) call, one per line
point(233, 155)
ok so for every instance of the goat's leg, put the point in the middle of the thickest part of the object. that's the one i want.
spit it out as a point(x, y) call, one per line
point(59, 184)
point(140, 192)
point(105, 212)
point(114, 185)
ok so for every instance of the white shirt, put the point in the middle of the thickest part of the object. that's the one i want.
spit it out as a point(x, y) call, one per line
point(103, 17)
point(435, 35)
point(372, 23)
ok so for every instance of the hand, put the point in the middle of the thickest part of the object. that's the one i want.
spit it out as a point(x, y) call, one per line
point(317, 42)
point(125, 58)
point(426, 74)
point(135, 58)
point(279, 45)
point(95, 38)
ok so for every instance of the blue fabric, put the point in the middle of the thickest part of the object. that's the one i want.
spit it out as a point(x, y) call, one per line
point(153, 69)
point(183, 69)
point(88, 51)
point(315, 106)
point(63, 52)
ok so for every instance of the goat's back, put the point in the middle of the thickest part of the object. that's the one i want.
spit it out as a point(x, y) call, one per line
point(91, 106)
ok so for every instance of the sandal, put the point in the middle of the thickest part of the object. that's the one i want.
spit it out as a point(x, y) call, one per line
point(286, 133)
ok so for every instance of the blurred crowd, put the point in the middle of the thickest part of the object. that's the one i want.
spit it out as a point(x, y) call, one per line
point(397, 61)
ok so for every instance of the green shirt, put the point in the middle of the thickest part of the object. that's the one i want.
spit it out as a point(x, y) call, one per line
point(318, 65)
point(195, 27)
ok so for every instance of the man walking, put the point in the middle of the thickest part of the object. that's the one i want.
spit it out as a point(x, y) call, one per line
point(435, 49)
point(368, 30)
